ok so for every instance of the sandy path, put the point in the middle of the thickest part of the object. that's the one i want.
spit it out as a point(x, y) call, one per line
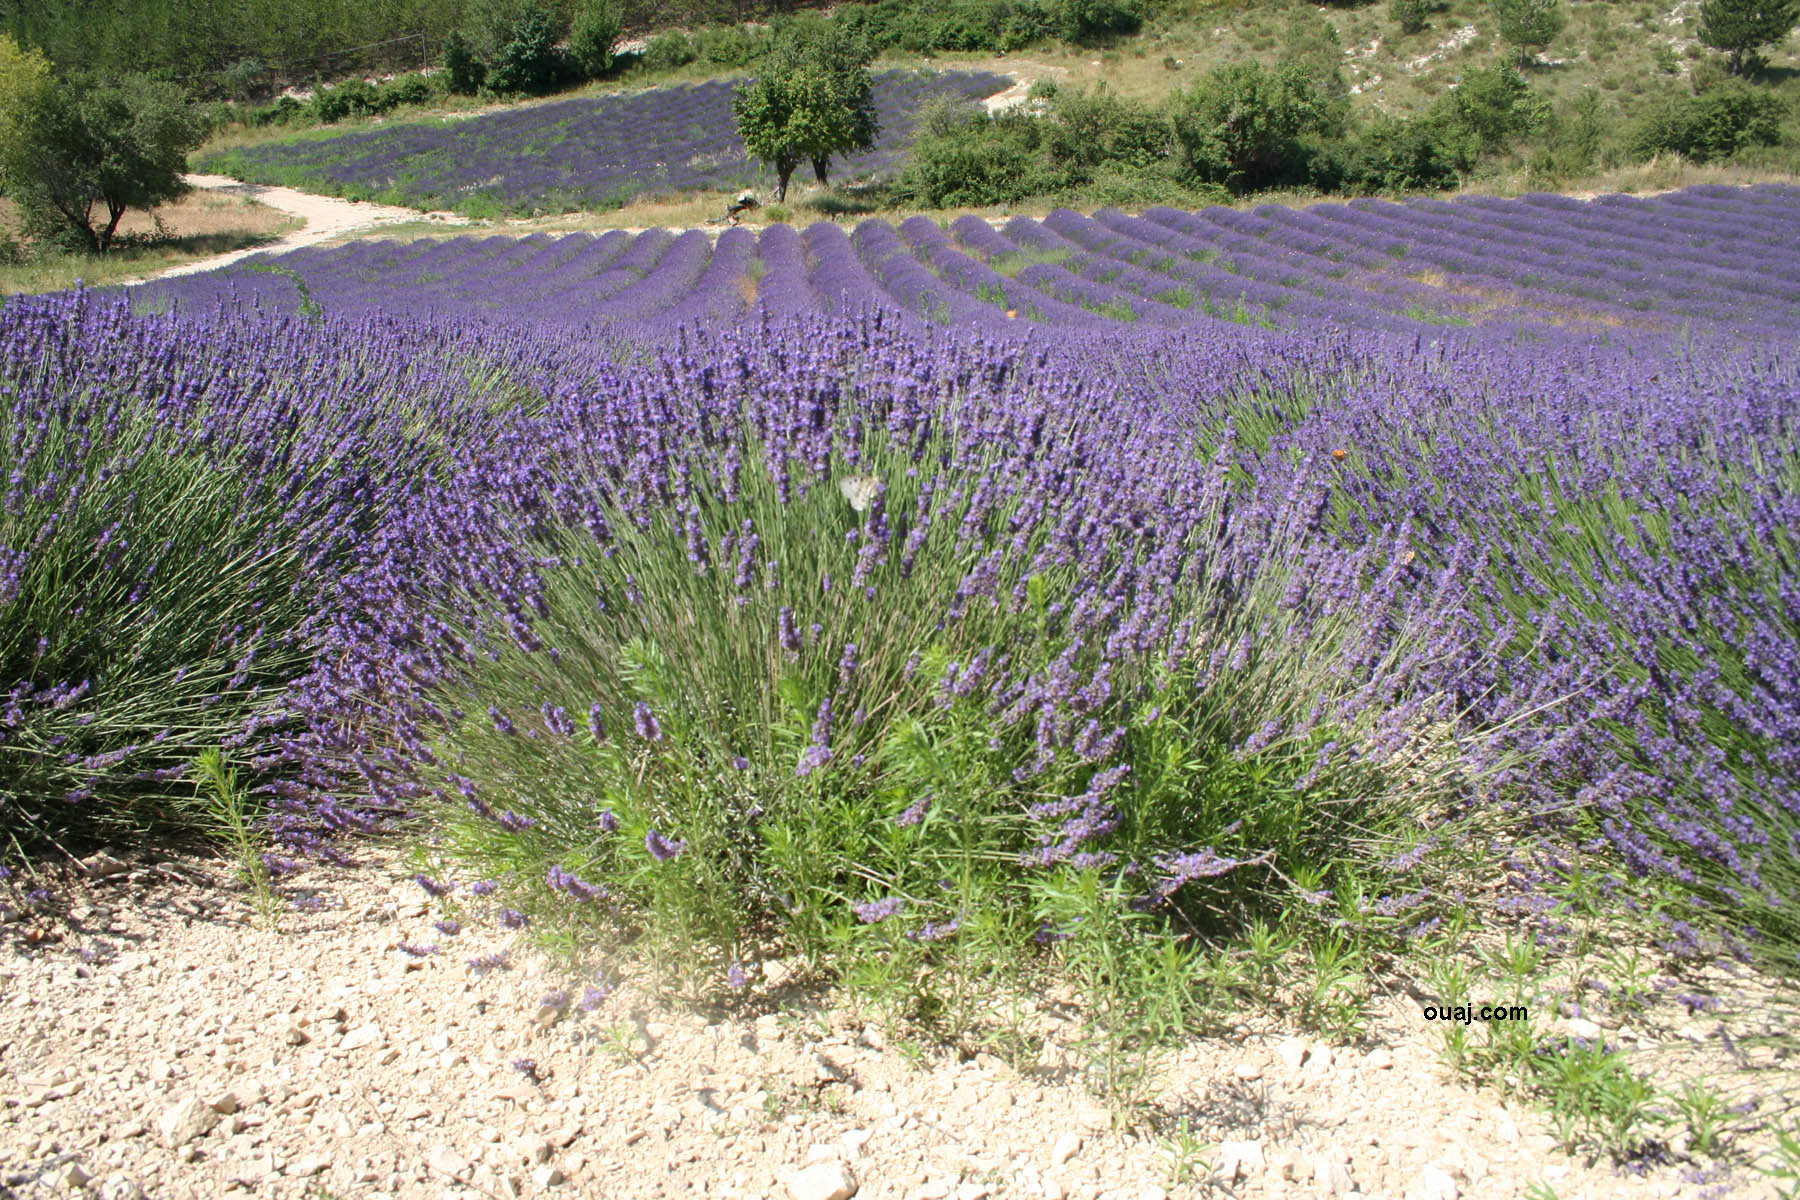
point(326, 217)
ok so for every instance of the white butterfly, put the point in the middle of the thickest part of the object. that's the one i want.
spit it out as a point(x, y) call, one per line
point(860, 491)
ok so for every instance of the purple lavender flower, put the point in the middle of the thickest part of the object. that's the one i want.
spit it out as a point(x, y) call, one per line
point(878, 910)
point(644, 721)
point(662, 849)
point(512, 918)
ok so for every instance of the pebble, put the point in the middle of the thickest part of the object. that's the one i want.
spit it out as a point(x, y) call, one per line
point(822, 1181)
point(1067, 1146)
point(446, 1161)
point(1433, 1183)
point(186, 1119)
point(1240, 1160)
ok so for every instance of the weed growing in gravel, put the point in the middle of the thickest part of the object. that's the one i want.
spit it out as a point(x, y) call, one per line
point(235, 816)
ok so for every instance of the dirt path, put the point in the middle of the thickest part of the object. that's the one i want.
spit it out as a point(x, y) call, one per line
point(326, 217)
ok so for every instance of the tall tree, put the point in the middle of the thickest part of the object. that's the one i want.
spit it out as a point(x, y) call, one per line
point(813, 97)
point(1529, 24)
point(89, 144)
point(1741, 27)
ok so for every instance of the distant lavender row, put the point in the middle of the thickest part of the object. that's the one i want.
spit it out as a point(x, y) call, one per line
point(1627, 267)
point(594, 152)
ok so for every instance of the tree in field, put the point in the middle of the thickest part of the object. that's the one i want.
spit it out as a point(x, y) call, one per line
point(71, 149)
point(1529, 24)
point(813, 97)
point(1740, 27)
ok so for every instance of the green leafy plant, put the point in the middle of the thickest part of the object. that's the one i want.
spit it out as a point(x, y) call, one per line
point(234, 816)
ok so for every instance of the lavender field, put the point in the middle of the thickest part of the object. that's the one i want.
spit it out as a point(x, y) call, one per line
point(918, 598)
point(593, 152)
point(1724, 261)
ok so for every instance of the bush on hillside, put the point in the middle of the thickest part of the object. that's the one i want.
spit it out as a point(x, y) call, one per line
point(529, 62)
point(591, 39)
point(1246, 127)
point(1711, 126)
point(464, 71)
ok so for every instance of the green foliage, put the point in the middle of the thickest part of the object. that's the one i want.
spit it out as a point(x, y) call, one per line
point(1086, 21)
point(1495, 104)
point(1246, 127)
point(592, 37)
point(964, 156)
point(1410, 15)
point(813, 97)
point(1741, 27)
point(465, 73)
point(1574, 137)
point(352, 98)
point(234, 816)
point(1711, 126)
point(666, 51)
point(85, 142)
point(729, 45)
point(1396, 155)
point(1529, 24)
point(243, 79)
point(529, 60)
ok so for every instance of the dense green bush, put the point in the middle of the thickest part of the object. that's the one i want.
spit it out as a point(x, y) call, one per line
point(1409, 14)
point(592, 37)
point(530, 61)
point(352, 98)
point(730, 45)
point(464, 72)
point(666, 51)
point(1494, 104)
point(1083, 21)
point(1247, 127)
point(1716, 124)
point(1395, 155)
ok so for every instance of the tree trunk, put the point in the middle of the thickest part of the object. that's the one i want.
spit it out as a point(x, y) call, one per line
point(106, 235)
point(782, 171)
point(819, 167)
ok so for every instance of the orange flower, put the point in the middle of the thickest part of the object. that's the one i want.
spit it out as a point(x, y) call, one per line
point(1340, 455)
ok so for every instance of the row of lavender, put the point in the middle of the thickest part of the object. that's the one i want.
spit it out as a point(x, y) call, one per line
point(591, 152)
point(1703, 258)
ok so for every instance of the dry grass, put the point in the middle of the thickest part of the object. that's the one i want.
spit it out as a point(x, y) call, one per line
point(197, 226)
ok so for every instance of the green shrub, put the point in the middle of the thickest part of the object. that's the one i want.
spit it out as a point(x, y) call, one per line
point(666, 51)
point(352, 98)
point(1246, 127)
point(284, 111)
point(464, 72)
point(1711, 126)
point(1495, 104)
point(404, 90)
point(1410, 14)
point(1396, 155)
point(591, 40)
point(729, 45)
point(529, 62)
point(243, 79)
point(1085, 21)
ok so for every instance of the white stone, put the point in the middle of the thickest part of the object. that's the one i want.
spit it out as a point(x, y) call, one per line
point(547, 1177)
point(70, 1175)
point(822, 1181)
point(185, 1120)
point(1433, 1183)
point(1240, 1160)
point(362, 1035)
point(224, 1104)
point(306, 1166)
point(1292, 1053)
point(1067, 1146)
point(446, 1161)
point(1379, 1059)
point(1331, 1178)
point(1247, 1071)
point(120, 1186)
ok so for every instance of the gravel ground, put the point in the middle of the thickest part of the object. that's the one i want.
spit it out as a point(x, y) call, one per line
point(155, 1040)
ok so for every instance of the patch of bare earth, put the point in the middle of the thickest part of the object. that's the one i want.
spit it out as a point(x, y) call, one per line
point(155, 1040)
